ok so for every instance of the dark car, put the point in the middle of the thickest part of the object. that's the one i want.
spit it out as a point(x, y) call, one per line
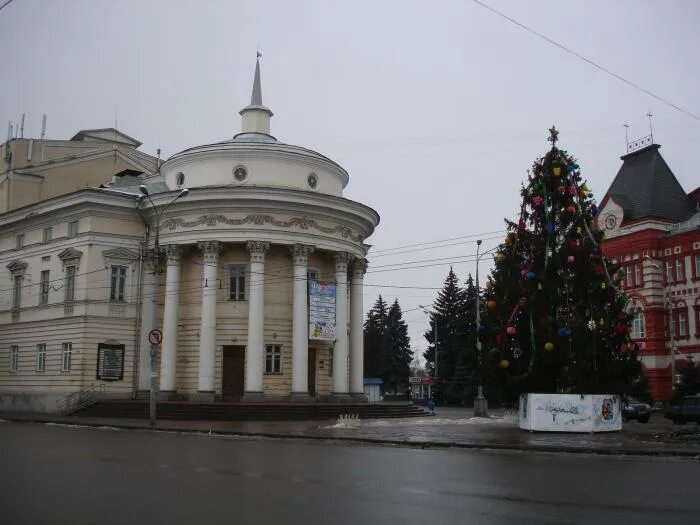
point(688, 410)
point(633, 409)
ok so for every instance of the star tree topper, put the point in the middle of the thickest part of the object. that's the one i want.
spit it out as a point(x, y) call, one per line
point(553, 136)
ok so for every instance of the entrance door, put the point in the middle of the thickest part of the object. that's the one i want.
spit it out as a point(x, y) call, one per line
point(232, 373)
point(312, 372)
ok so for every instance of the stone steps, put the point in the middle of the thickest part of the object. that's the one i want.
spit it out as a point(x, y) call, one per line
point(188, 410)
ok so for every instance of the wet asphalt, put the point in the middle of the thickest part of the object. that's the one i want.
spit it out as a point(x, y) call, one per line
point(57, 474)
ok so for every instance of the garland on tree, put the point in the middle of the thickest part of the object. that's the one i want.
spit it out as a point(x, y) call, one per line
point(556, 318)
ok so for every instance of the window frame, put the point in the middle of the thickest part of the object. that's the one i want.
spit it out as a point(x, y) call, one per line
point(237, 271)
point(72, 229)
point(273, 356)
point(19, 241)
point(14, 359)
point(44, 287)
point(40, 357)
point(17, 285)
point(680, 269)
point(638, 325)
point(69, 283)
point(66, 352)
point(697, 266)
point(669, 274)
point(638, 275)
point(47, 235)
point(117, 283)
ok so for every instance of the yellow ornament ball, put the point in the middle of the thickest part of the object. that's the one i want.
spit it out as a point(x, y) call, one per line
point(602, 285)
point(549, 347)
point(501, 257)
point(505, 363)
point(557, 171)
point(601, 322)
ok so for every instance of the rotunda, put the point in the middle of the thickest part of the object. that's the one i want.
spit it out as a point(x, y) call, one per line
point(261, 293)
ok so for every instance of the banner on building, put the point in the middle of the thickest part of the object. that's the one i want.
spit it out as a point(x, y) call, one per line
point(322, 311)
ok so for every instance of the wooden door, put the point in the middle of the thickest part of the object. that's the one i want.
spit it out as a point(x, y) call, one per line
point(233, 373)
point(312, 372)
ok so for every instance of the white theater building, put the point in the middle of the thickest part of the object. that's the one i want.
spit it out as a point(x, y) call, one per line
point(261, 220)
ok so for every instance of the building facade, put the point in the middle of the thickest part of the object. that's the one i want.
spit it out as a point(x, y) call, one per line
point(652, 228)
point(215, 247)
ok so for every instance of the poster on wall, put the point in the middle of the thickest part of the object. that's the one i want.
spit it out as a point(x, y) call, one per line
point(110, 362)
point(321, 311)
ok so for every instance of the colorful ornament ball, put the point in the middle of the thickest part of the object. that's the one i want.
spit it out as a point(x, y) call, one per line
point(549, 346)
point(505, 363)
point(510, 330)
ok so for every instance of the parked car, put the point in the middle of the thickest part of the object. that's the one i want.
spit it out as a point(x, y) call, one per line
point(687, 410)
point(634, 409)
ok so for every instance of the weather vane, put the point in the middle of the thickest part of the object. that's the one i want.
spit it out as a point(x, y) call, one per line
point(553, 136)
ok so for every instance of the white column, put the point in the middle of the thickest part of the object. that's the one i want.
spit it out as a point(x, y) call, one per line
point(207, 330)
point(255, 352)
point(300, 322)
point(168, 356)
point(146, 321)
point(340, 351)
point(357, 335)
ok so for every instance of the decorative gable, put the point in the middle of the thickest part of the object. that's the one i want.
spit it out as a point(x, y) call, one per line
point(123, 254)
point(17, 266)
point(70, 255)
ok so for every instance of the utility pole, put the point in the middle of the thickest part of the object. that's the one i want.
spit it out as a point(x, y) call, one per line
point(481, 404)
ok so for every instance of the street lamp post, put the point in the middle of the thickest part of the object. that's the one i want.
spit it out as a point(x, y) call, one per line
point(481, 404)
point(657, 264)
point(154, 295)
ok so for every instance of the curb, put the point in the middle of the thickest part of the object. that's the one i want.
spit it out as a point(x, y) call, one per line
point(557, 449)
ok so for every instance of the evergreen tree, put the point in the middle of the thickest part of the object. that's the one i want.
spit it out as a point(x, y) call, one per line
point(397, 350)
point(374, 328)
point(556, 318)
point(449, 315)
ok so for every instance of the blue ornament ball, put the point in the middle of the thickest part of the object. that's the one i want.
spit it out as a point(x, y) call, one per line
point(563, 331)
point(531, 275)
point(549, 227)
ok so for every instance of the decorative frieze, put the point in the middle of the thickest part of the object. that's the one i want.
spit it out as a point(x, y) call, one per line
point(303, 223)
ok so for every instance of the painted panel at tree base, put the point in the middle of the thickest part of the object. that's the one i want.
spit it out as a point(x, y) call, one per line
point(570, 412)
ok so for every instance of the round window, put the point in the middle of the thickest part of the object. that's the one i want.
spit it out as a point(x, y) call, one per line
point(240, 173)
point(180, 179)
point(312, 180)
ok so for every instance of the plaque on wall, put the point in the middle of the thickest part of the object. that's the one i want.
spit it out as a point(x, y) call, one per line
point(110, 362)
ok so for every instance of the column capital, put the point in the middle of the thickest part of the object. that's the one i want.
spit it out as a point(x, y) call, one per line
point(359, 267)
point(341, 261)
point(257, 250)
point(210, 251)
point(173, 252)
point(300, 253)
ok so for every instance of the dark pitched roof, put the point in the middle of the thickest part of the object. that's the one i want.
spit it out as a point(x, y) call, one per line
point(646, 187)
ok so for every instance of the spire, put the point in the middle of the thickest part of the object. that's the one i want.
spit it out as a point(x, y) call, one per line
point(256, 96)
point(255, 118)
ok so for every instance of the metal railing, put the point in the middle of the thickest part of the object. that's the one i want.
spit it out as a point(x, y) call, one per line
point(81, 399)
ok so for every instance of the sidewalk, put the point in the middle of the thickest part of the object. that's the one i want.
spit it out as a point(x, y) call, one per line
point(450, 427)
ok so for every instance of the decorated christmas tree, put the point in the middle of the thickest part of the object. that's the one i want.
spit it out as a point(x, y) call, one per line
point(555, 319)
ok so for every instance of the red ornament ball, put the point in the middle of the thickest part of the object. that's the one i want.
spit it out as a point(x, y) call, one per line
point(571, 209)
point(510, 330)
point(491, 304)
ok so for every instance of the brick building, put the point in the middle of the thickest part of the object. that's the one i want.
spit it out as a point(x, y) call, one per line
point(652, 228)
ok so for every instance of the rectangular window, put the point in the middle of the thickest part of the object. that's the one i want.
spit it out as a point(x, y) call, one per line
point(683, 323)
point(312, 275)
point(672, 326)
point(19, 241)
point(47, 235)
point(680, 269)
point(40, 357)
point(669, 271)
point(14, 358)
point(638, 281)
point(66, 356)
point(330, 361)
point(72, 228)
point(44, 287)
point(116, 286)
point(629, 283)
point(69, 283)
point(697, 265)
point(638, 326)
point(236, 282)
point(273, 359)
point(17, 281)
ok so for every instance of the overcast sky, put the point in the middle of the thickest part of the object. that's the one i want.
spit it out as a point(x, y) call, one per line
point(436, 109)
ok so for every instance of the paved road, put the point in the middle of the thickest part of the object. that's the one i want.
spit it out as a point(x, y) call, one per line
point(54, 474)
